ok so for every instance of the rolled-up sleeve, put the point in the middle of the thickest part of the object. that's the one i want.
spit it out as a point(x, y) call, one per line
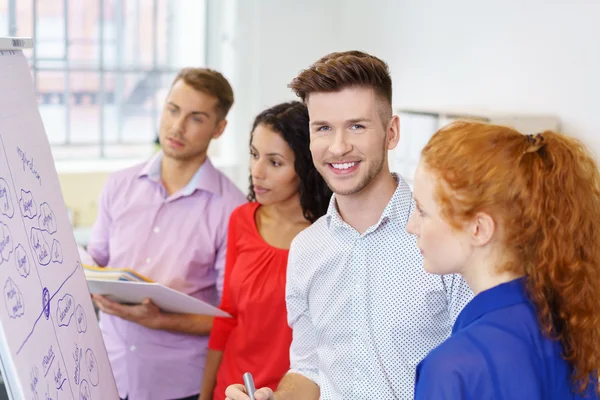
point(303, 350)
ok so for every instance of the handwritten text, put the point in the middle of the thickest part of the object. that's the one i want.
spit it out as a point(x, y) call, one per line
point(47, 360)
point(28, 164)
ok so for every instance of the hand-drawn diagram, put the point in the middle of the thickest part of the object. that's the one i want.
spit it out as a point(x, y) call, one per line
point(6, 244)
point(84, 391)
point(80, 319)
point(65, 309)
point(22, 262)
point(39, 264)
point(13, 299)
point(57, 255)
point(40, 246)
point(92, 366)
point(6, 205)
point(27, 204)
point(47, 219)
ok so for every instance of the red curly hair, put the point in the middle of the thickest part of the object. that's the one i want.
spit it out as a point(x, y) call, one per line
point(543, 192)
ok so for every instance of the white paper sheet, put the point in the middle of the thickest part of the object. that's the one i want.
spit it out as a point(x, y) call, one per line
point(165, 298)
point(51, 346)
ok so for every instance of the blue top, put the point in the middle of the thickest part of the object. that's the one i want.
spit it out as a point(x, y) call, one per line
point(497, 351)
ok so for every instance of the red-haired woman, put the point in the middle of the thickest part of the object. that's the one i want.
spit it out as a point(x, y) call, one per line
point(519, 217)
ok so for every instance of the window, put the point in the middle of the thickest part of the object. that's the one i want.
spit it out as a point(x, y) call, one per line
point(101, 68)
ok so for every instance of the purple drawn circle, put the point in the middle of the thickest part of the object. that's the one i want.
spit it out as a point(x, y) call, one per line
point(46, 302)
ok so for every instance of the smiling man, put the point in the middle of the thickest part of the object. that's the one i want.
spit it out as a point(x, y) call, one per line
point(167, 219)
point(362, 309)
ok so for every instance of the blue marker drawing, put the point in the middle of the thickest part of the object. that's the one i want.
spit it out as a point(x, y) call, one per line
point(47, 395)
point(40, 246)
point(29, 164)
point(22, 261)
point(27, 204)
point(6, 205)
point(92, 366)
point(34, 376)
point(46, 303)
point(47, 220)
point(48, 360)
point(13, 299)
point(57, 256)
point(65, 309)
point(59, 378)
point(84, 391)
point(77, 356)
point(80, 319)
point(6, 243)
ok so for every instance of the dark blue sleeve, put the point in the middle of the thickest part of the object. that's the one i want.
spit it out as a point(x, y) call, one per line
point(439, 381)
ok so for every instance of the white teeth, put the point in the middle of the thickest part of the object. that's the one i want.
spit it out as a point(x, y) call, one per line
point(344, 165)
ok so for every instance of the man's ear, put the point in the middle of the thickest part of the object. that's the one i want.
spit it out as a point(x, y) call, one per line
point(220, 128)
point(482, 229)
point(393, 132)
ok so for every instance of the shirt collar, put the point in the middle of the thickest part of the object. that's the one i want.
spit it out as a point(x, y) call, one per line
point(501, 296)
point(206, 177)
point(399, 207)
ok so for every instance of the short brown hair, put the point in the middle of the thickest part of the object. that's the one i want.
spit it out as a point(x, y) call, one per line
point(210, 82)
point(341, 70)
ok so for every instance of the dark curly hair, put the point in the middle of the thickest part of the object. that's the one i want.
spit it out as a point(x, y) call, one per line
point(291, 121)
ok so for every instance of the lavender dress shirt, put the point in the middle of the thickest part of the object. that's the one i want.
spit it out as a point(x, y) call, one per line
point(179, 241)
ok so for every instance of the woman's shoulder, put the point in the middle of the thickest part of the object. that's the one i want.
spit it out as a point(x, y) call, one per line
point(245, 211)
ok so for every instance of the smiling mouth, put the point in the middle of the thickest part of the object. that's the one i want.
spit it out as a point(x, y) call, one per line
point(344, 166)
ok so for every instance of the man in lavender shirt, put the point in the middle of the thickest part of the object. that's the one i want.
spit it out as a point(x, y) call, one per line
point(167, 219)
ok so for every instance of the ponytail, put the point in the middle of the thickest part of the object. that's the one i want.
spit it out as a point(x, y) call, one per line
point(544, 193)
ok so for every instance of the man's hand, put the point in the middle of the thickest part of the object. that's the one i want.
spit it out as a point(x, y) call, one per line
point(146, 314)
point(238, 392)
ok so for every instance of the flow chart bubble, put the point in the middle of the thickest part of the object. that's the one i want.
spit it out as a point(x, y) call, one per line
point(6, 242)
point(84, 390)
point(40, 246)
point(6, 204)
point(57, 255)
point(47, 219)
point(13, 299)
point(65, 310)
point(27, 204)
point(92, 366)
point(80, 319)
point(22, 261)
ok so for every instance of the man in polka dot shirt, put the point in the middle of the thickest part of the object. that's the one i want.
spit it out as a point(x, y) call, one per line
point(362, 309)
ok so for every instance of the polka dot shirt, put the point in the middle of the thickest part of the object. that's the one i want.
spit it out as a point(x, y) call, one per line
point(363, 310)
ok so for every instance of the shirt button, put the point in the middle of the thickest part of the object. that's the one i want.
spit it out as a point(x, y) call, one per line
point(156, 229)
point(132, 348)
point(148, 260)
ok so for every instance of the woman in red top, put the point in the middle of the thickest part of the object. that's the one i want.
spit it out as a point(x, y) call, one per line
point(286, 195)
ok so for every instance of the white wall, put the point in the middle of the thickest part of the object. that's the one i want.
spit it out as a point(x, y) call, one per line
point(538, 56)
point(526, 56)
point(272, 41)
